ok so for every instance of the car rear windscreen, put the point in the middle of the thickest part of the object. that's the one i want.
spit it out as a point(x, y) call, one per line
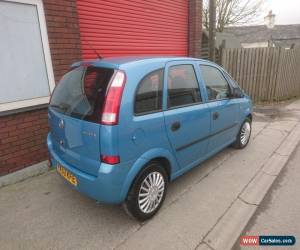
point(81, 92)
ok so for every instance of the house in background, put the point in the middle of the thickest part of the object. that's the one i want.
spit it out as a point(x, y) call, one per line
point(229, 40)
point(39, 40)
point(268, 35)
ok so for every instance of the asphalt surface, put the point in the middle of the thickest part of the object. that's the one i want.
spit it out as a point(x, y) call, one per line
point(279, 213)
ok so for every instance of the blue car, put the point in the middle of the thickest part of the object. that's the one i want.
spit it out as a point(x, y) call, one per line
point(122, 128)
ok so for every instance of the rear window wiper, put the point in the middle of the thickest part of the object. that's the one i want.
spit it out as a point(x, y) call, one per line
point(62, 107)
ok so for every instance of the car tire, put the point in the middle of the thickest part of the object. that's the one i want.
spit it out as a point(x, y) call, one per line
point(147, 193)
point(244, 135)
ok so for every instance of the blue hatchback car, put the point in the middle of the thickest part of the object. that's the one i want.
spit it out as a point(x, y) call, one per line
point(122, 128)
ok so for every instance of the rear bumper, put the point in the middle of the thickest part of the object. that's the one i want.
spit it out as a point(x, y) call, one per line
point(106, 187)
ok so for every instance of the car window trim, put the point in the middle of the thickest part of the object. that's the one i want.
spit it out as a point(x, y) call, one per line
point(186, 105)
point(149, 113)
point(216, 100)
point(162, 95)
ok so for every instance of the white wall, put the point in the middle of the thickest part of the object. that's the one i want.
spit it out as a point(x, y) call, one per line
point(255, 45)
point(25, 63)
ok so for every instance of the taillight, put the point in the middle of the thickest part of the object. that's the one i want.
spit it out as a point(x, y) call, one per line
point(111, 108)
point(110, 159)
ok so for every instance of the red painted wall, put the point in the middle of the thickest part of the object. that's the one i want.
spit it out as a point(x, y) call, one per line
point(135, 27)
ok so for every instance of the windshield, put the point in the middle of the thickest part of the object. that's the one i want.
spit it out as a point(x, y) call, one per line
point(81, 92)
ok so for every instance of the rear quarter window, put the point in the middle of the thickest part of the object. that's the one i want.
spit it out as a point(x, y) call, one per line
point(148, 98)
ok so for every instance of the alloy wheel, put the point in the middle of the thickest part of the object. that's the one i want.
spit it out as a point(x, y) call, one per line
point(151, 192)
point(245, 133)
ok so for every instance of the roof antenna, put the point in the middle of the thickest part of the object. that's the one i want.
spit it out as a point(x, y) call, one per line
point(93, 49)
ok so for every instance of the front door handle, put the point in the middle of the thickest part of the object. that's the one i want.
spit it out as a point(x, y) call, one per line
point(215, 115)
point(175, 126)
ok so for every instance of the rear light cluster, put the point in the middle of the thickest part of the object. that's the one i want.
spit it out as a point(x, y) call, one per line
point(111, 109)
point(110, 159)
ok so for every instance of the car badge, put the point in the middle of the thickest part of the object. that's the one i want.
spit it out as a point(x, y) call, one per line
point(61, 124)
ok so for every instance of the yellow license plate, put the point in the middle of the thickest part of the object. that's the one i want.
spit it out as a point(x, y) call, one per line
point(67, 175)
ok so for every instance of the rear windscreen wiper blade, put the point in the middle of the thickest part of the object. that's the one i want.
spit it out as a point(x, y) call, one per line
point(64, 108)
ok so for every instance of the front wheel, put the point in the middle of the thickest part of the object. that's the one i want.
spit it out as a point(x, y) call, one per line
point(147, 192)
point(244, 134)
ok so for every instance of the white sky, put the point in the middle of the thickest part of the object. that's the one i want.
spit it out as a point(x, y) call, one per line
point(286, 11)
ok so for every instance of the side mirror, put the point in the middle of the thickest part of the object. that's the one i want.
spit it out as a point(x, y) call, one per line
point(236, 93)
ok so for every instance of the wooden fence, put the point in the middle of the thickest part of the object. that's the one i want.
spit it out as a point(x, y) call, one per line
point(266, 74)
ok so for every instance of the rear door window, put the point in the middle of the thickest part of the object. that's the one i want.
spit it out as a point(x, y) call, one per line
point(81, 93)
point(183, 88)
point(148, 97)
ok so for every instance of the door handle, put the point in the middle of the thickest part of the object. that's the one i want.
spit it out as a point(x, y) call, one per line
point(216, 115)
point(175, 126)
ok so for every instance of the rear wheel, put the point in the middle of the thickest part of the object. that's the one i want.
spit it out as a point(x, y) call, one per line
point(244, 134)
point(147, 192)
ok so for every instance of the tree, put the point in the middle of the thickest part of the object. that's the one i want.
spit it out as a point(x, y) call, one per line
point(212, 30)
point(232, 12)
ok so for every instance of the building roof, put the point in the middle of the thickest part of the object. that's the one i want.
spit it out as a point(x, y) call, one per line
point(231, 40)
point(282, 34)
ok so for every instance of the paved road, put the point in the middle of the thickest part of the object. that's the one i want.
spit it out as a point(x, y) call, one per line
point(279, 213)
point(45, 213)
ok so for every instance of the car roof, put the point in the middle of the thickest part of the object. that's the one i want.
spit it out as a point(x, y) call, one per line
point(117, 62)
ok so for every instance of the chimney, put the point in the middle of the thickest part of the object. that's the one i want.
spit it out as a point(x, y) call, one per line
point(270, 20)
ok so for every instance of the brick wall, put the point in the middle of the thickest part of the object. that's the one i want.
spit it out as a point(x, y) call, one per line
point(195, 28)
point(63, 34)
point(22, 140)
point(23, 135)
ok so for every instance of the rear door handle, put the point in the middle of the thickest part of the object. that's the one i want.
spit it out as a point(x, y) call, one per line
point(175, 126)
point(215, 115)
